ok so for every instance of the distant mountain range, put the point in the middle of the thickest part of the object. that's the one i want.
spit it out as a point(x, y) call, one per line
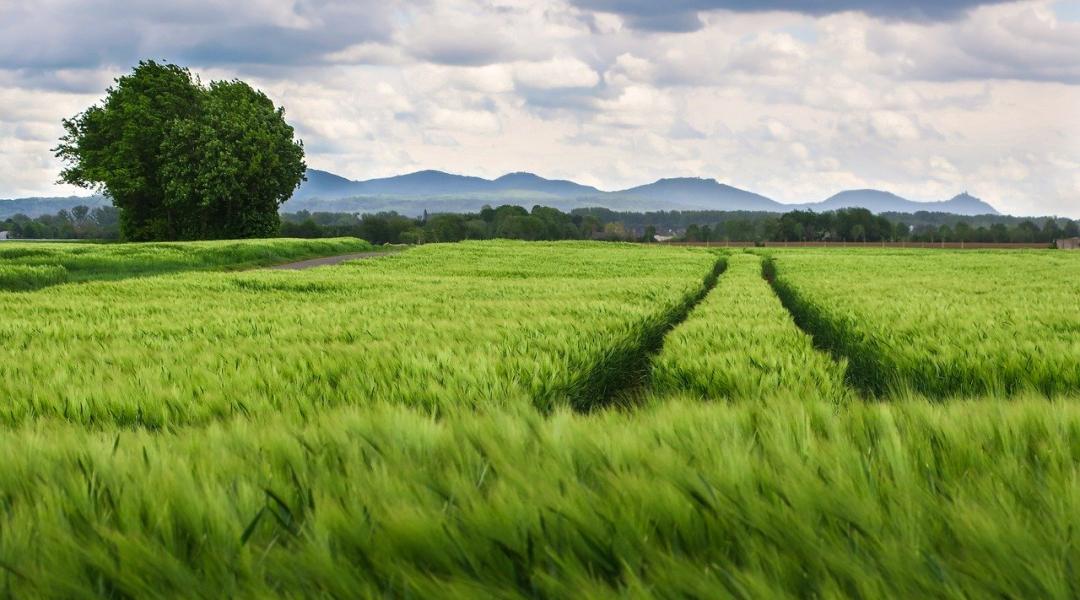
point(321, 184)
point(35, 207)
point(436, 191)
point(877, 201)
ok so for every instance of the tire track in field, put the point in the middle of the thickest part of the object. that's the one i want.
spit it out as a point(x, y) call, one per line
point(865, 372)
point(741, 344)
point(621, 377)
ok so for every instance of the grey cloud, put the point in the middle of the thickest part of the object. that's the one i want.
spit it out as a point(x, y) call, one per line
point(550, 102)
point(73, 81)
point(260, 45)
point(35, 132)
point(681, 15)
point(471, 40)
point(71, 34)
point(675, 21)
point(467, 50)
point(58, 45)
point(1021, 45)
point(683, 130)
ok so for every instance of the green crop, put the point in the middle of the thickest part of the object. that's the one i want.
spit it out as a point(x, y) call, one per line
point(750, 499)
point(32, 265)
point(740, 343)
point(447, 422)
point(437, 327)
point(16, 277)
point(942, 323)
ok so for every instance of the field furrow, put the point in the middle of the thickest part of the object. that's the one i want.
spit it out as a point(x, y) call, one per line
point(441, 328)
point(740, 344)
point(941, 324)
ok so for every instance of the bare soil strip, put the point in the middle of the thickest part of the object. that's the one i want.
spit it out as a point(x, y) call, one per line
point(328, 260)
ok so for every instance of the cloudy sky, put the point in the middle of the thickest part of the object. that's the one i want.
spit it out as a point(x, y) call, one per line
point(793, 99)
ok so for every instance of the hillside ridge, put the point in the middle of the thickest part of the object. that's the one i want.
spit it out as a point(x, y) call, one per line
point(434, 188)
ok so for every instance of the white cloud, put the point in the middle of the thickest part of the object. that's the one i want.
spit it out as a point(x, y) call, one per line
point(1010, 168)
point(563, 72)
point(629, 69)
point(942, 169)
point(636, 106)
point(891, 125)
point(795, 106)
point(372, 53)
point(1021, 40)
point(471, 121)
point(767, 54)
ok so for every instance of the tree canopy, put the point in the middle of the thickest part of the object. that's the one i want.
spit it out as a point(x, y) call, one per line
point(182, 160)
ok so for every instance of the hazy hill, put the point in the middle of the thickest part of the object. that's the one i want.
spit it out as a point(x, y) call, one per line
point(327, 186)
point(321, 184)
point(704, 194)
point(878, 201)
point(961, 204)
point(436, 191)
point(423, 183)
point(874, 200)
point(535, 183)
point(35, 207)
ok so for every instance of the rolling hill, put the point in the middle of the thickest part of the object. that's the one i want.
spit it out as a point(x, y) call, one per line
point(703, 194)
point(36, 207)
point(327, 186)
point(878, 201)
point(437, 191)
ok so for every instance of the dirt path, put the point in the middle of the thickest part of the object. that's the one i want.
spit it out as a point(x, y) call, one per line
point(329, 260)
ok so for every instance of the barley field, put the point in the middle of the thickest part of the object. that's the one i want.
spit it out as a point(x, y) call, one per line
point(942, 324)
point(28, 266)
point(541, 420)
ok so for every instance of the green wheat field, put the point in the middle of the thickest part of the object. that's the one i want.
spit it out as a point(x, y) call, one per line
point(538, 420)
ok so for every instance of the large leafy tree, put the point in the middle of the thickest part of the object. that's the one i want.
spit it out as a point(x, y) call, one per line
point(182, 160)
point(228, 170)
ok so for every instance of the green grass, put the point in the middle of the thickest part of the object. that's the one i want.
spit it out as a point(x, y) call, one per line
point(439, 423)
point(32, 265)
point(943, 324)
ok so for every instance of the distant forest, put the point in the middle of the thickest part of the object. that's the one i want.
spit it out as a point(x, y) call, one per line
point(544, 223)
point(79, 223)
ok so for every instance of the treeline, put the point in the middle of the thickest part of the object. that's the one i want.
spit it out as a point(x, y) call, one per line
point(860, 225)
point(508, 222)
point(850, 224)
point(544, 223)
point(937, 219)
point(675, 220)
point(79, 223)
